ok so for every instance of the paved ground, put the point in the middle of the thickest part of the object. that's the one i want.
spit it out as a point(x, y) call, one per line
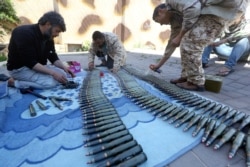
point(235, 92)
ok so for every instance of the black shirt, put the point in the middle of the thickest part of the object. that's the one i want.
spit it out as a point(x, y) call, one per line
point(28, 47)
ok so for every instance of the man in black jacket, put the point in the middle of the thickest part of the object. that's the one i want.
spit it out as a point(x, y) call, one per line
point(30, 47)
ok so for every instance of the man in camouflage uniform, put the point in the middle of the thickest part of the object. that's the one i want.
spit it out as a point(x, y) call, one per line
point(107, 44)
point(201, 22)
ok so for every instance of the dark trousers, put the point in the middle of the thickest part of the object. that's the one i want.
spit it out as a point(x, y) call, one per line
point(109, 62)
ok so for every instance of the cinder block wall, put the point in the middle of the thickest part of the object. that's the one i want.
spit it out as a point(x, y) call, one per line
point(131, 20)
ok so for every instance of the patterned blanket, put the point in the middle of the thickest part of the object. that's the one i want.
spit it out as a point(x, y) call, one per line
point(54, 137)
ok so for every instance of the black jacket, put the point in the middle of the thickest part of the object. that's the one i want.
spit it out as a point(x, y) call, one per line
point(28, 47)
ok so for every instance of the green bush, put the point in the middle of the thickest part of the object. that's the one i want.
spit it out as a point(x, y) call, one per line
point(8, 17)
point(3, 57)
point(85, 46)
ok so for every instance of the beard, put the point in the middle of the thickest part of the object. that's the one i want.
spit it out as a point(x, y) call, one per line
point(48, 34)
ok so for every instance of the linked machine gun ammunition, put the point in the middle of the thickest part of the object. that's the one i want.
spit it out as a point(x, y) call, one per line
point(89, 108)
point(94, 103)
point(195, 119)
point(247, 148)
point(209, 128)
point(138, 98)
point(238, 141)
point(179, 115)
point(111, 144)
point(225, 138)
point(157, 107)
point(119, 158)
point(244, 122)
point(159, 111)
point(107, 138)
point(97, 110)
point(170, 112)
point(105, 122)
point(208, 107)
point(134, 161)
point(144, 104)
point(151, 105)
point(146, 101)
point(237, 117)
point(217, 132)
point(192, 100)
point(197, 102)
point(203, 104)
point(186, 118)
point(229, 115)
point(222, 112)
point(105, 133)
point(102, 128)
point(98, 115)
point(101, 119)
point(183, 99)
point(87, 114)
point(203, 121)
point(167, 109)
point(113, 151)
point(215, 110)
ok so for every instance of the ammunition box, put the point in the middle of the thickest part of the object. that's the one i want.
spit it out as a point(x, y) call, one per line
point(213, 83)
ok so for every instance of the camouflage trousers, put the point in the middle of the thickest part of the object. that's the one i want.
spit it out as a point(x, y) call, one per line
point(205, 31)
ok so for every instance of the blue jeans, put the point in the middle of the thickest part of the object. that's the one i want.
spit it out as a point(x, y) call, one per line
point(26, 77)
point(240, 49)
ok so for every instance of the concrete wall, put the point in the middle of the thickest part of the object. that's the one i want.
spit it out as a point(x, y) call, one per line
point(131, 20)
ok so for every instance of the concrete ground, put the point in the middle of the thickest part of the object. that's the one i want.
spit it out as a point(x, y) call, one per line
point(235, 92)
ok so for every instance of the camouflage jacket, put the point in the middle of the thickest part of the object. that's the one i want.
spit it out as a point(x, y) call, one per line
point(192, 9)
point(114, 48)
point(240, 31)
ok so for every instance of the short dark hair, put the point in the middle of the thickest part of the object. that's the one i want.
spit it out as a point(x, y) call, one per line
point(155, 13)
point(54, 19)
point(97, 35)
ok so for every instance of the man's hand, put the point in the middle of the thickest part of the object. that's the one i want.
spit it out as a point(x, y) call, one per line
point(114, 70)
point(91, 66)
point(59, 77)
point(214, 44)
point(153, 67)
point(69, 72)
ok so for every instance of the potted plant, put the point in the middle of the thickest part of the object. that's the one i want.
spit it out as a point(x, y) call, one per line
point(8, 20)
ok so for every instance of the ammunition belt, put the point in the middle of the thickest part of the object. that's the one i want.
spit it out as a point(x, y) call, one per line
point(111, 142)
point(214, 120)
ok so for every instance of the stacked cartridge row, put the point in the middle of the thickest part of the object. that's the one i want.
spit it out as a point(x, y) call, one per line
point(218, 123)
point(107, 139)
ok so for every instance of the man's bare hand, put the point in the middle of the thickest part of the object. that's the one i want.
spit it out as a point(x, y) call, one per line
point(152, 67)
point(114, 70)
point(214, 44)
point(70, 72)
point(59, 77)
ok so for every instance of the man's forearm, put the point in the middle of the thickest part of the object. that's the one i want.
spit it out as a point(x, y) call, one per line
point(41, 68)
point(59, 64)
point(168, 52)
